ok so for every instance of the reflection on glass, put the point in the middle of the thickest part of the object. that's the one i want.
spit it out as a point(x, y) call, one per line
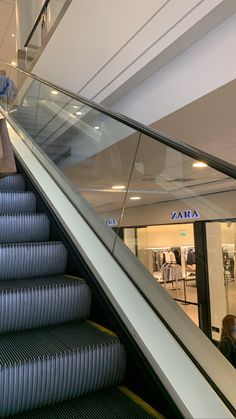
point(93, 151)
point(34, 45)
point(168, 192)
point(23, 109)
point(53, 10)
point(146, 190)
point(48, 16)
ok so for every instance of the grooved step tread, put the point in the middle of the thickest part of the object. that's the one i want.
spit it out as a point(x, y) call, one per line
point(18, 228)
point(25, 260)
point(112, 404)
point(17, 194)
point(52, 364)
point(46, 342)
point(17, 202)
point(43, 282)
point(13, 182)
point(39, 302)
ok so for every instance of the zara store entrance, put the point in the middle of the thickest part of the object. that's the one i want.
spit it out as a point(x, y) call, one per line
point(196, 264)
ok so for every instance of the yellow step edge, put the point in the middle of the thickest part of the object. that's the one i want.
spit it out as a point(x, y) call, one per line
point(73, 277)
point(141, 402)
point(102, 328)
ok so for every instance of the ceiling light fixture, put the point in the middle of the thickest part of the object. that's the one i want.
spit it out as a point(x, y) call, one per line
point(13, 35)
point(76, 106)
point(135, 198)
point(54, 92)
point(118, 187)
point(96, 127)
point(199, 164)
point(78, 113)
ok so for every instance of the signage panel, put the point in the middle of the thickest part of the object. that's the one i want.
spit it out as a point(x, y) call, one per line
point(185, 215)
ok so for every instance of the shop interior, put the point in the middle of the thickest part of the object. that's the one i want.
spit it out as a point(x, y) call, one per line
point(228, 240)
point(168, 252)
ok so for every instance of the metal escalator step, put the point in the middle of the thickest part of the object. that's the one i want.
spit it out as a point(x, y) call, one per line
point(14, 183)
point(37, 302)
point(17, 202)
point(28, 260)
point(48, 365)
point(112, 404)
point(19, 228)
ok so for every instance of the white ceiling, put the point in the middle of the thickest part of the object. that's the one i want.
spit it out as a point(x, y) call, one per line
point(208, 123)
point(7, 28)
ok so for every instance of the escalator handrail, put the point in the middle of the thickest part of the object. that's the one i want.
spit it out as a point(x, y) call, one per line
point(220, 165)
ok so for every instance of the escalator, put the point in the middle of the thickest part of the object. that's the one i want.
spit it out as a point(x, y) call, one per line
point(79, 337)
point(56, 352)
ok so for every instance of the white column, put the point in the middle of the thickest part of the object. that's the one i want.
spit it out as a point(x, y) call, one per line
point(216, 276)
point(26, 15)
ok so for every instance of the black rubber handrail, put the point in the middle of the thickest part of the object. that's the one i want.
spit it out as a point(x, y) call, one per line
point(220, 165)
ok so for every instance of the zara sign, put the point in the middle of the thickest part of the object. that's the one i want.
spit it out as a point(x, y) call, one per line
point(111, 222)
point(185, 215)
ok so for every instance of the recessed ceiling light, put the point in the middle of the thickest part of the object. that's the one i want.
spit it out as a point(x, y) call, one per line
point(118, 187)
point(78, 113)
point(96, 127)
point(13, 63)
point(75, 106)
point(54, 92)
point(13, 35)
point(199, 164)
point(135, 198)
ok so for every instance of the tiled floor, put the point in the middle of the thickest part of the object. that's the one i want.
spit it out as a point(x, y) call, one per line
point(188, 292)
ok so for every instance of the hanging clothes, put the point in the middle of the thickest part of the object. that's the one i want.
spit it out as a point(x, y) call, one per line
point(169, 257)
point(177, 253)
point(191, 260)
point(171, 272)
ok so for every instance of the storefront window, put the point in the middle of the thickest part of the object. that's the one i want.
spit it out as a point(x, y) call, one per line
point(221, 251)
point(168, 252)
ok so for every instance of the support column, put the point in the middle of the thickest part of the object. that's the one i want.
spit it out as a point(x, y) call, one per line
point(216, 277)
point(26, 15)
point(202, 278)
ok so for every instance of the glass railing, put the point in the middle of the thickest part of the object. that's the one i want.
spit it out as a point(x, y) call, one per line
point(153, 192)
point(173, 205)
point(45, 22)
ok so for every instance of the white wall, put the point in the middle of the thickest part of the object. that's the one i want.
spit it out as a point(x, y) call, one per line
point(26, 16)
point(104, 47)
point(206, 66)
point(216, 276)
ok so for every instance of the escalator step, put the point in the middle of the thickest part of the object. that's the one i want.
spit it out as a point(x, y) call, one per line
point(37, 302)
point(19, 228)
point(28, 260)
point(15, 202)
point(14, 183)
point(118, 403)
point(48, 365)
